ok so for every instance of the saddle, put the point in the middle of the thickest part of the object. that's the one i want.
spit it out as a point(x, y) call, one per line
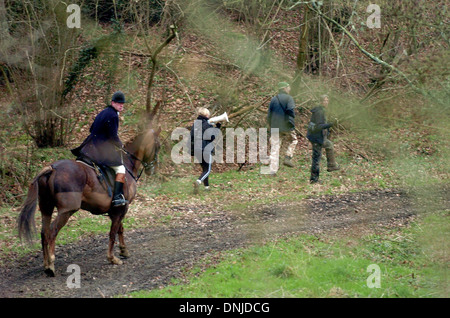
point(105, 174)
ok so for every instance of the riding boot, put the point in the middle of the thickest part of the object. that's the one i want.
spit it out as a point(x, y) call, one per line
point(118, 197)
point(331, 161)
point(288, 162)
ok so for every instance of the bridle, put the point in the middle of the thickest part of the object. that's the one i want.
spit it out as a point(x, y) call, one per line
point(145, 164)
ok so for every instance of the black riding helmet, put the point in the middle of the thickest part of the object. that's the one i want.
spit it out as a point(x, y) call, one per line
point(118, 97)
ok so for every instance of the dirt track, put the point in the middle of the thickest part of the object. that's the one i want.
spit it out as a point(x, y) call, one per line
point(159, 254)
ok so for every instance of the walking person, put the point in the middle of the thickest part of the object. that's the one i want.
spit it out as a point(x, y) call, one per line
point(103, 145)
point(281, 115)
point(202, 147)
point(318, 132)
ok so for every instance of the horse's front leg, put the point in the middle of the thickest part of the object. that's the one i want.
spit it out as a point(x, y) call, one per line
point(123, 249)
point(116, 220)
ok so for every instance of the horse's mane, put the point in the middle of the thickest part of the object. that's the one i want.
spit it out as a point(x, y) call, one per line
point(133, 145)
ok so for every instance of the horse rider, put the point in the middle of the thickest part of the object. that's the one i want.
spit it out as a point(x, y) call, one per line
point(104, 147)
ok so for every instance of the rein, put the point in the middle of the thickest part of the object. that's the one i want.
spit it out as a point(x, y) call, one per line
point(146, 165)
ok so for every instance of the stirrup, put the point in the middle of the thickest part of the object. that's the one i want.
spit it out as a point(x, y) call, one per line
point(119, 200)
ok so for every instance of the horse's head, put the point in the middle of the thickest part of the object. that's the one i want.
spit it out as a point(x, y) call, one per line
point(150, 148)
point(144, 149)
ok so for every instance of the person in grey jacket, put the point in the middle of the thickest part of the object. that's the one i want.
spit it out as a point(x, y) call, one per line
point(318, 131)
point(281, 115)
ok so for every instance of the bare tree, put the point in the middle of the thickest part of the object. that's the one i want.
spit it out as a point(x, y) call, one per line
point(389, 64)
point(152, 53)
point(37, 55)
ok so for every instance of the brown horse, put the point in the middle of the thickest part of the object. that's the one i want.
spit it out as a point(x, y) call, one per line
point(70, 185)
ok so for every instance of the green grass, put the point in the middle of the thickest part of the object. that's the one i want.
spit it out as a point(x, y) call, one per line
point(237, 191)
point(412, 262)
point(305, 266)
point(289, 182)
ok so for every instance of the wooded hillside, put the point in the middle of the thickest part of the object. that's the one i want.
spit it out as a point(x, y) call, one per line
point(385, 68)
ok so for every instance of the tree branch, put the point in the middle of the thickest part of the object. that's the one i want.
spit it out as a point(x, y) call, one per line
point(370, 55)
point(153, 59)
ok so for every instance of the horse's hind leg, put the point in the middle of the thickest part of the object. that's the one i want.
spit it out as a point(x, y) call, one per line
point(46, 212)
point(46, 205)
point(56, 226)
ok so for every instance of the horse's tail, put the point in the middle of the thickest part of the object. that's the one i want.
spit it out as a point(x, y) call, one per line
point(25, 222)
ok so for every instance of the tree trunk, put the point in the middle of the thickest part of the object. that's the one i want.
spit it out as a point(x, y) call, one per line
point(4, 28)
point(303, 42)
point(153, 59)
point(302, 49)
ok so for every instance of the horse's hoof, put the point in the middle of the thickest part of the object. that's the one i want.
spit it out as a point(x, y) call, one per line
point(50, 272)
point(115, 261)
point(124, 252)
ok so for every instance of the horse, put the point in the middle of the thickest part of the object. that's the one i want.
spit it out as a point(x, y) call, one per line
point(70, 185)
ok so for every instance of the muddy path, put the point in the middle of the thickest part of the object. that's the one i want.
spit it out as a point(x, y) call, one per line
point(160, 254)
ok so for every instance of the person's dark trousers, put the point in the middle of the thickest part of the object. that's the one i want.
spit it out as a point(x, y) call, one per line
point(315, 165)
point(206, 170)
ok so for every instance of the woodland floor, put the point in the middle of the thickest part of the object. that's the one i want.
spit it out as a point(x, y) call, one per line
point(162, 253)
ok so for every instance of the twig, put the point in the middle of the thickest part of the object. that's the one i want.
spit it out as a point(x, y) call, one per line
point(249, 108)
point(371, 56)
point(184, 87)
point(298, 132)
point(154, 62)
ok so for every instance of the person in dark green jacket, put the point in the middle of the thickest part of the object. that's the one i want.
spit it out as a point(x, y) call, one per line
point(318, 131)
